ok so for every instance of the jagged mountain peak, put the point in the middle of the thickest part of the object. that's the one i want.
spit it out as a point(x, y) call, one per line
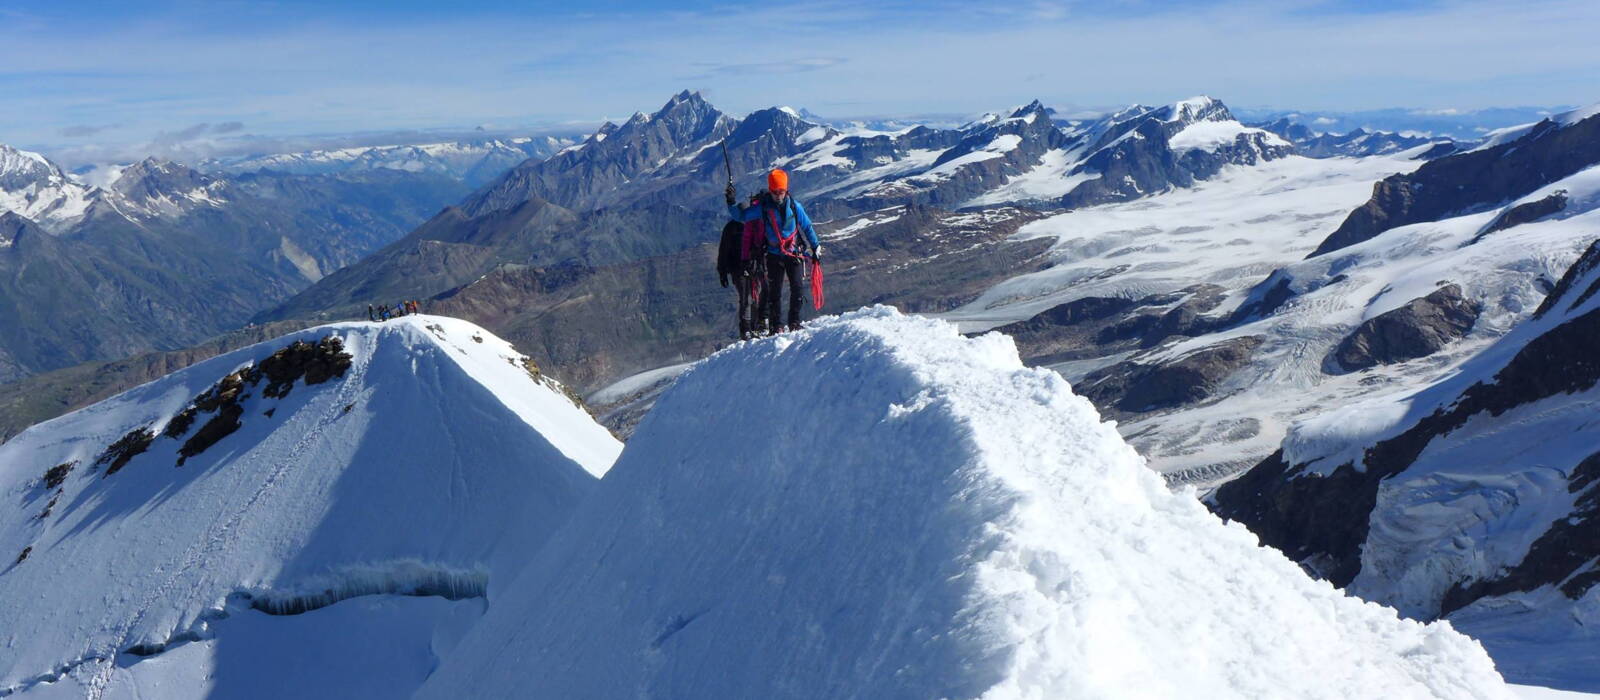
point(687, 97)
point(18, 168)
point(156, 187)
point(152, 173)
point(1032, 108)
point(35, 187)
point(783, 123)
point(1196, 109)
point(685, 103)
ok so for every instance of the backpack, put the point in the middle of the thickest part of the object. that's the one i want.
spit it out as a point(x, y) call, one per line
point(755, 238)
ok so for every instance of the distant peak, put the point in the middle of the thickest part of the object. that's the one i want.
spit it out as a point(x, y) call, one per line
point(686, 99)
point(1031, 110)
point(1198, 108)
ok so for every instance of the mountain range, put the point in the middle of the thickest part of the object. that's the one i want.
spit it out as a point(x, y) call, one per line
point(625, 201)
point(473, 161)
point(164, 256)
point(1369, 348)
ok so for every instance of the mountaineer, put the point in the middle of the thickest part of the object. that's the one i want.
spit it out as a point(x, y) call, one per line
point(790, 241)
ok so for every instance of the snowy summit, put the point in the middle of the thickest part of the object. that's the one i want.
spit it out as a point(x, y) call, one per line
point(367, 480)
point(941, 522)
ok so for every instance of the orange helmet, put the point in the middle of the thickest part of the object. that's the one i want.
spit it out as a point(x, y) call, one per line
point(777, 181)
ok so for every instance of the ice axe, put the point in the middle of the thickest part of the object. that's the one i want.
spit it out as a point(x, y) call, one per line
point(727, 162)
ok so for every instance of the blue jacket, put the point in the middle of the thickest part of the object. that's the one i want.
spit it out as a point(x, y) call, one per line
point(741, 212)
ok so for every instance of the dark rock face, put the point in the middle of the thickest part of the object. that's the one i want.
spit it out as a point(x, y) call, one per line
point(51, 394)
point(1065, 331)
point(1266, 298)
point(119, 453)
point(1419, 328)
point(1131, 387)
point(1471, 181)
point(1319, 521)
point(315, 362)
point(1525, 213)
point(1187, 319)
point(1099, 326)
point(56, 475)
point(223, 424)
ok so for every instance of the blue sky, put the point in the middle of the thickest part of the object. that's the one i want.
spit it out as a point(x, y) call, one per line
point(106, 75)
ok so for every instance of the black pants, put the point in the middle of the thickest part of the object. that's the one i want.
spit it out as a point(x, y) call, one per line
point(749, 316)
point(778, 267)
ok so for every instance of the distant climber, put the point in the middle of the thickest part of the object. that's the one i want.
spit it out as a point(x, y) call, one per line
point(737, 264)
point(783, 222)
point(383, 312)
point(372, 314)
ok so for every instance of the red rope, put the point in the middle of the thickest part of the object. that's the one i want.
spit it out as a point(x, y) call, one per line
point(816, 284)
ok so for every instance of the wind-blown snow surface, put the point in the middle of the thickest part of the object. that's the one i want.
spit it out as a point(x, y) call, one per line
point(435, 464)
point(918, 516)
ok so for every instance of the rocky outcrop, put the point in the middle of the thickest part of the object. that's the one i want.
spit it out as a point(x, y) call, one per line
point(1185, 319)
point(1421, 327)
point(119, 453)
point(1133, 387)
point(56, 475)
point(224, 401)
point(1525, 212)
point(51, 394)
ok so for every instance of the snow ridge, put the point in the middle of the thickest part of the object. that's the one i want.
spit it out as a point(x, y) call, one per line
point(933, 520)
point(432, 465)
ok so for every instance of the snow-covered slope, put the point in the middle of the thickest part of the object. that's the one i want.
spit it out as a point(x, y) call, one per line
point(153, 538)
point(1473, 497)
point(879, 508)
